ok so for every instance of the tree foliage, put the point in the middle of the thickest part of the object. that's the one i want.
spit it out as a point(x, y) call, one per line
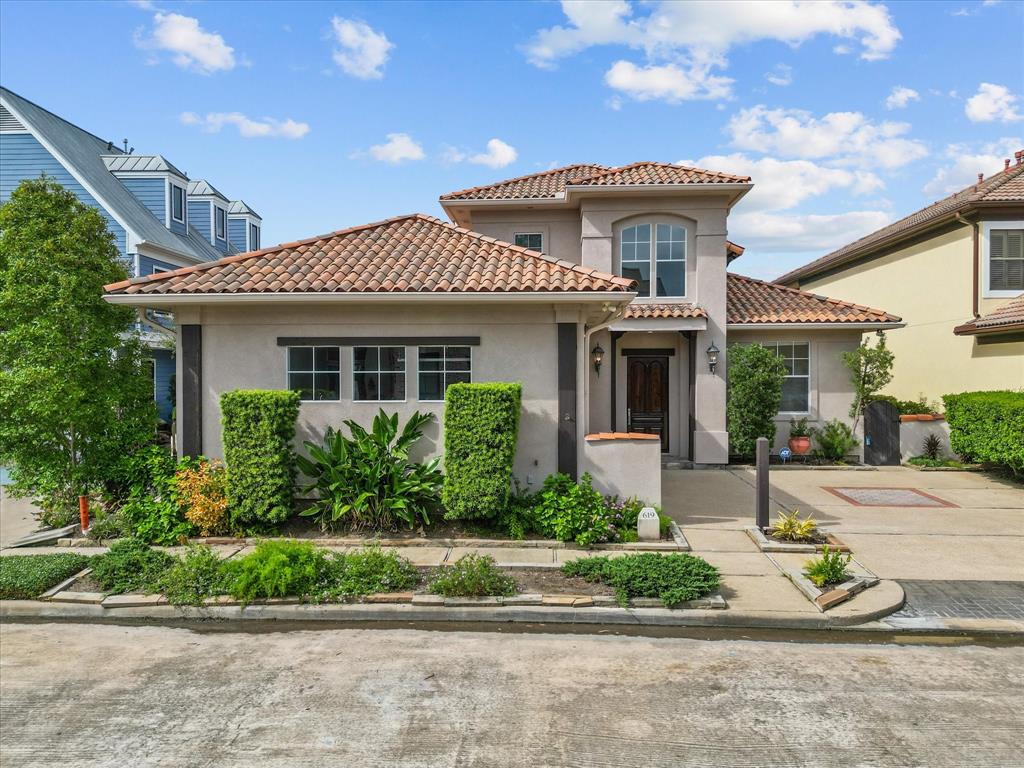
point(870, 370)
point(754, 396)
point(74, 396)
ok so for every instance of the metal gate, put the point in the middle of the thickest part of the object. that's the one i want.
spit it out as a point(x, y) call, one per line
point(881, 434)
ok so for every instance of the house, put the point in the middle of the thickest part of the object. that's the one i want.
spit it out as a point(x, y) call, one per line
point(603, 290)
point(161, 220)
point(955, 269)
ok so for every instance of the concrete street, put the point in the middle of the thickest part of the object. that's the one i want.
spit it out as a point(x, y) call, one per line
point(102, 695)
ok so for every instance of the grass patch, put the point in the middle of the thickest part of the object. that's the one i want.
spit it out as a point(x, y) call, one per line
point(674, 578)
point(472, 576)
point(28, 576)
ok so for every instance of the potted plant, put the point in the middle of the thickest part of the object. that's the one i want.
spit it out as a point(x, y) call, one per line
point(799, 436)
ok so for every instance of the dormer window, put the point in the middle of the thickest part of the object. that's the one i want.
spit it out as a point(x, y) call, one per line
point(254, 237)
point(666, 271)
point(177, 203)
point(221, 219)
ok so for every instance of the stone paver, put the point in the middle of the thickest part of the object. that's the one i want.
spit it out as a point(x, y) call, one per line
point(719, 540)
point(963, 599)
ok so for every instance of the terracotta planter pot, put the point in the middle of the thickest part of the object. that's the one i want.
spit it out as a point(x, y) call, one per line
point(799, 445)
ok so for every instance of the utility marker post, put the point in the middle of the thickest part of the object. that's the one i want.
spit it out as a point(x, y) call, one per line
point(761, 512)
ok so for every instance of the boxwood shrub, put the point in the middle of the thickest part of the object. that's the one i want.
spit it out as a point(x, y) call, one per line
point(258, 427)
point(987, 426)
point(481, 427)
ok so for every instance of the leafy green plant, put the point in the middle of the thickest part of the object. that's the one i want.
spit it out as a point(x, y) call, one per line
point(674, 578)
point(281, 569)
point(131, 565)
point(24, 577)
point(754, 395)
point(987, 426)
point(570, 511)
point(368, 480)
point(799, 428)
point(193, 578)
point(107, 525)
point(75, 397)
point(931, 447)
point(791, 528)
point(828, 569)
point(835, 440)
point(870, 370)
point(481, 427)
point(924, 461)
point(370, 570)
point(152, 512)
point(471, 576)
point(258, 428)
point(906, 407)
point(201, 491)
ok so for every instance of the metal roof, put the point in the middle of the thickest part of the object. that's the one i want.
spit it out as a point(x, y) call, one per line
point(203, 188)
point(139, 163)
point(240, 206)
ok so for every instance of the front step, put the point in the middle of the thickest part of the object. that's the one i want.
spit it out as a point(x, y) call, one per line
point(674, 462)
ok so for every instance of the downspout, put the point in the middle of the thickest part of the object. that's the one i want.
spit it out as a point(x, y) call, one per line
point(140, 312)
point(975, 263)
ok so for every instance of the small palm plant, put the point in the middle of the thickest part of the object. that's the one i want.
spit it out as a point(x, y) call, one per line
point(791, 528)
point(932, 446)
point(828, 569)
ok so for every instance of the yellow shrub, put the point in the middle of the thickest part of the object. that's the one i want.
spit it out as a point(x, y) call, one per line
point(202, 491)
point(792, 528)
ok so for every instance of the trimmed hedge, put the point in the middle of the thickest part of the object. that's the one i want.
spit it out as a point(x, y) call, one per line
point(481, 427)
point(258, 428)
point(754, 396)
point(987, 426)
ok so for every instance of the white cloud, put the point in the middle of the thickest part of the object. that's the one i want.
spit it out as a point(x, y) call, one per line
point(191, 47)
point(684, 42)
point(761, 231)
point(992, 102)
point(498, 155)
point(781, 75)
point(397, 149)
point(846, 137)
point(965, 162)
point(248, 128)
point(900, 96)
point(363, 52)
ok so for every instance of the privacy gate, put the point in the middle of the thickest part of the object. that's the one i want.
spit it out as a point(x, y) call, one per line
point(881, 434)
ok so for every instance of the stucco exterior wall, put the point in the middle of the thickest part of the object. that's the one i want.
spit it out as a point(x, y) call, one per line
point(627, 468)
point(560, 228)
point(240, 350)
point(929, 284)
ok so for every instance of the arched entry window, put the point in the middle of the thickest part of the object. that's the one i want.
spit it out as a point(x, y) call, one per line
point(666, 272)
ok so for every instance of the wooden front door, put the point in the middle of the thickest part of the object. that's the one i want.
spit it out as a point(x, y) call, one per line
point(647, 396)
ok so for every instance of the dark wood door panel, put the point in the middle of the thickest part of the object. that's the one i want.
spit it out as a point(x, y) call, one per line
point(647, 396)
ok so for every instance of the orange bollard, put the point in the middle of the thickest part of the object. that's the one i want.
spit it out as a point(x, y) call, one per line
point(83, 512)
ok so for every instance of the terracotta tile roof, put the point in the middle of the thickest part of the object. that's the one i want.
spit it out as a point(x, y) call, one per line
point(414, 253)
point(750, 301)
point(1007, 186)
point(1009, 317)
point(550, 184)
point(646, 311)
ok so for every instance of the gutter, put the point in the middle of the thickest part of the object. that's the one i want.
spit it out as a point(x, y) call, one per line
point(822, 326)
point(534, 297)
point(140, 313)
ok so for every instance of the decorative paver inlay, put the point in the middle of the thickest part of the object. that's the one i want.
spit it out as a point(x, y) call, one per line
point(963, 599)
point(888, 497)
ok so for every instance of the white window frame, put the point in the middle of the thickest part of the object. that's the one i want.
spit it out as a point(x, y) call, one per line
point(288, 371)
point(773, 344)
point(444, 368)
point(651, 288)
point(378, 371)
point(529, 234)
point(653, 261)
point(220, 223)
point(184, 203)
point(986, 229)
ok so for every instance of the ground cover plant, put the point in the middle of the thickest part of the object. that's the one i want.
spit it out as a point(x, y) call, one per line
point(369, 570)
point(674, 578)
point(472, 576)
point(754, 396)
point(131, 565)
point(828, 569)
point(791, 528)
point(280, 569)
point(925, 461)
point(193, 578)
point(25, 577)
point(368, 480)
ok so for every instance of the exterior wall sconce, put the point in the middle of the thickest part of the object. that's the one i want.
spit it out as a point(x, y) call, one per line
point(712, 353)
point(597, 355)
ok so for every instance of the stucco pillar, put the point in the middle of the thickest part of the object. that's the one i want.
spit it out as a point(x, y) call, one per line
point(710, 439)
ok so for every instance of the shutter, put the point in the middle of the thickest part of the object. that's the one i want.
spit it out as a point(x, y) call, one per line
point(1015, 260)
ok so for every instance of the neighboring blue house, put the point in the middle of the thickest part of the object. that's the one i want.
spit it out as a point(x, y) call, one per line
point(161, 219)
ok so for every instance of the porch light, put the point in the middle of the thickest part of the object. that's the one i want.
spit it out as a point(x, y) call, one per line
point(712, 353)
point(597, 355)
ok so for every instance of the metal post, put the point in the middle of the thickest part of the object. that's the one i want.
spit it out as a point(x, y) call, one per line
point(762, 483)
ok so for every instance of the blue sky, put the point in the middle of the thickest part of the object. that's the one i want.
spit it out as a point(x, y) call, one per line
point(324, 115)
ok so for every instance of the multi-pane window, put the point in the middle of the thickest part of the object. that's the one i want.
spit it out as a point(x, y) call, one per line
point(670, 254)
point(177, 203)
point(220, 223)
point(636, 257)
point(1006, 260)
point(315, 372)
point(378, 373)
point(441, 366)
point(532, 240)
point(796, 385)
point(254, 237)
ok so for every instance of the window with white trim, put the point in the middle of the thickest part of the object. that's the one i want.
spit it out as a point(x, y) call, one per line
point(796, 386)
point(221, 218)
point(315, 372)
point(177, 203)
point(378, 374)
point(1006, 260)
point(636, 257)
point(670, 258)
point(440, 366)
point(254, 237)
point(532, 240)
point(666, 272)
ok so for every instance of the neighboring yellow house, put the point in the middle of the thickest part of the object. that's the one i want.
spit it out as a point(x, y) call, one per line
point(954, 271)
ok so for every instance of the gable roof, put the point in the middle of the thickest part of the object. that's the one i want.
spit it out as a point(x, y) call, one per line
point(1004, 187)
point(756, 302)
point(553, 183)
point(239, 207)
point(203, 188)
point(85, 154)
point(123, 163)
point(407, 254)
point(1009, 317)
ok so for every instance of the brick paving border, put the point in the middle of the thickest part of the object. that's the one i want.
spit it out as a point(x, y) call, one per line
point(962, 599)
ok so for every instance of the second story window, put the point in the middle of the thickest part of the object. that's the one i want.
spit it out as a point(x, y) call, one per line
point(254, 237)
point(636, 257)
point(1006, 260)
point(177, 203)
point(221, 220)
point(666, 272)
point(532, 240)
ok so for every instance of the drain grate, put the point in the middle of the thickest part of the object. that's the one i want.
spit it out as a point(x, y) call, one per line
point(888, 497)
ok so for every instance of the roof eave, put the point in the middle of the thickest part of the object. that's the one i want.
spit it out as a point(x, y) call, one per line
point(549, 297)
point(970, 329)
point(835, 325)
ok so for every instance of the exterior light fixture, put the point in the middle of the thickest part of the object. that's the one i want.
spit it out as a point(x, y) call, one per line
point(597, 355)
point(712, 353)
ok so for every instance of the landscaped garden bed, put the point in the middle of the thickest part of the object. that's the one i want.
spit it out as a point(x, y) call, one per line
point(790, 533)
point(829, 579)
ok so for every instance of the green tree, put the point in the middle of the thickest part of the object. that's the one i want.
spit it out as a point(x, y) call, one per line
point(870, 370)
point(74, 397)
point(754, 395)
